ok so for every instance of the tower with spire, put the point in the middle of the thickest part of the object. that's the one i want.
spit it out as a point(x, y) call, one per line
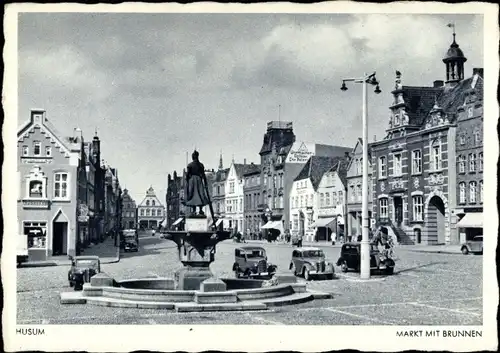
point(221, 164)
point(454, 61)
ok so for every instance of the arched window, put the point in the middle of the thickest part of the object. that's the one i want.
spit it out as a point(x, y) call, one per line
point(147, 202)
point(472, 162)
point(461, 164)
point(153, 202)
point(472, 191)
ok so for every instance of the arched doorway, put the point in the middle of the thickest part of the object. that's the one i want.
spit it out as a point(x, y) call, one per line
point(436, 220)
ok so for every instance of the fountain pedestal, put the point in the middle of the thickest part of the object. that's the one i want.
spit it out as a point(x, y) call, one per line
point(196, 246)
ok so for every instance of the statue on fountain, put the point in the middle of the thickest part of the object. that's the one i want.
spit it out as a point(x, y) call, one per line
point(196, 187)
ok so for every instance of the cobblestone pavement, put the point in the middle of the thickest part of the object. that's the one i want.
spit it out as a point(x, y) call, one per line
point(426, 289)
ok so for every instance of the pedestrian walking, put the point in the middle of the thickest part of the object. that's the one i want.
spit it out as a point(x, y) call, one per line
point(299, 241)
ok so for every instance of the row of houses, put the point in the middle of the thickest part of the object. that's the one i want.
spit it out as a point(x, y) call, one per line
point(425, 175)
point(67, 197)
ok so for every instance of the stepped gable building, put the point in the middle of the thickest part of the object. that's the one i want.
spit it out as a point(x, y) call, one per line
point(129, 211)
point(52, 190)
point(354, 179)
point(251, 191)
point(304, 197)
point(282, 159)
point(150, 211)
point(415, 167)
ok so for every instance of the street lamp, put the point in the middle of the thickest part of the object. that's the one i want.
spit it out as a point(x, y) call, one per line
point(365, 245)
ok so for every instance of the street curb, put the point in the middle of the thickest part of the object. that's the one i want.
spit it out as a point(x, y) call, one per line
point(437, 252)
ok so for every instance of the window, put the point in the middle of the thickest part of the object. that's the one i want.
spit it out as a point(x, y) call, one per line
point(148, 212)
point(382, 167)
point(37, 148)
point(321, 200)
point(359, 193)
point(274, 181)
point(142, 212)
point(470, 112)
point(48, 151)
point(462, 139)
point(383, 208)
point(281, 202)
point(418, 208)
point(353, 193)
point(241, 205)
point(61, 185)
point(36, 188)
point(481, 161)
point(153, 212)
point(472, 162)
point(360, 166)
point(416, 165)
point(301, 201)
point(310, 200)
point(477, 137)
point(436, 156)
point(147, 202)
point(461, 164)
point(231, 187)
point(37, 234)
point(334, 198)
point(153, 202)
point(281, 181)
point(341, 198)
point(25, 151)
point(327, 199)
point(481, 191)
point(472, 192)
point(396, 158)
point(462, 198)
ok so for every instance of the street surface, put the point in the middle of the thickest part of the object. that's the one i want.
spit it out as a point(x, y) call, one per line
point(426, 289)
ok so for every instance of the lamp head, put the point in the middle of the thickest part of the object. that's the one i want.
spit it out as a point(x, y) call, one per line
point(377, 89)
point(343, 87)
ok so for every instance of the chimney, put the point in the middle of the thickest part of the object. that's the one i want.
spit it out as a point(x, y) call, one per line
point(244, 161)
point(477, 70)
point(374, 138)
point(438, 83)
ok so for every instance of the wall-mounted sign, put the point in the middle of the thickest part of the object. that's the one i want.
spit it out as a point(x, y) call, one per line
point(36, 160)
point(301, 152)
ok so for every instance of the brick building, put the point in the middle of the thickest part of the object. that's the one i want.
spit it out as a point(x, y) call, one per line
point(150, 212)
point(251, 191)
point(415, 169)
point(129, 211)
point(172, 199)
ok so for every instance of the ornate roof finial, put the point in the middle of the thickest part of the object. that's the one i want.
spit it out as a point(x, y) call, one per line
point(452, 25)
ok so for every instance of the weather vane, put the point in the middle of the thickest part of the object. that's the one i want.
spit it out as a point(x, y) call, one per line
point(452, 25)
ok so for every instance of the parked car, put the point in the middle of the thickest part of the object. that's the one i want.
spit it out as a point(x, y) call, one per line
point(311, 262)
point(474, 246)
point(251, 261)
point(350, 258)
point(130, 240)
point(83, 268)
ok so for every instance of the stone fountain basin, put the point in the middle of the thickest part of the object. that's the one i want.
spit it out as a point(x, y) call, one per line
point(160, 293)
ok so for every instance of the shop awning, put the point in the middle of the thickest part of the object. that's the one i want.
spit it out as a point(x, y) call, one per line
point(471, 220)
point(179, 220)
point(324, 222)
point(273, 225)
point(163, 223)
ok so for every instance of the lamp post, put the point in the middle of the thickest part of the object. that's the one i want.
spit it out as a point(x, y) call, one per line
point(365, 243)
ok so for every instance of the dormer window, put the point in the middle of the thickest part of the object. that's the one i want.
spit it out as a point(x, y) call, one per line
point(37, 148)
point(25, 151)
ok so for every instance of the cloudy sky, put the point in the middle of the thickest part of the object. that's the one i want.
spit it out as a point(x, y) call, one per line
point(158, 85)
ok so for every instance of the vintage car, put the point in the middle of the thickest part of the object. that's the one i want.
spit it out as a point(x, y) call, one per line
point(82, 269)
point(311, 262)
point(251, 261)
point(130, 240)
point(350, 258)
point(474, 246)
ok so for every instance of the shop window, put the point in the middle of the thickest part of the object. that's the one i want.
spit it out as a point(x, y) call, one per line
point(61, 185)
point(383, 208)
point(36, 233)
point(462, 197)
point(418, 208)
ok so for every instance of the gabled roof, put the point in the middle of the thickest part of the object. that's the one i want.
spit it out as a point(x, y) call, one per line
point(242, 169)
point(251, 169)
point(419, 101)
point(315, 168)
point(221, 175)
point(341, 169)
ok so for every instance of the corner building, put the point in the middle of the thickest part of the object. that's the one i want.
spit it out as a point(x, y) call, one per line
point(415, 171)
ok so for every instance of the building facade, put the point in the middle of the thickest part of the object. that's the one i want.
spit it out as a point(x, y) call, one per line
point(469, 150)
point(129, 211)
point(150, 211)
point(251, 191)
point(49, 167)
point(304, 198)
point(331, 200)
point(173, 198)
point(354, 179)
point(415, 178)
point(112, 201)
point(234, 195)
point(219, 191)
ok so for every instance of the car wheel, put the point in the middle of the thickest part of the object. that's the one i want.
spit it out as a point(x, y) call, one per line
point(465, 251)
point(343, 267)
point(71, 284)
point(293, 269)
point(389, 270)
point(306, 274)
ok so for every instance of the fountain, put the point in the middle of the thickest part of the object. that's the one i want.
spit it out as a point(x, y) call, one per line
point(195, 288)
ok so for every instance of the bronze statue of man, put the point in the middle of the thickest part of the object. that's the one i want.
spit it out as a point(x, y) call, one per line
point(196, 185)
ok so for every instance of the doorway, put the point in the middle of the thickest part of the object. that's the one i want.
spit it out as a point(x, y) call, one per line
point(436, 220)
point(59, 238)
point(398, 210)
